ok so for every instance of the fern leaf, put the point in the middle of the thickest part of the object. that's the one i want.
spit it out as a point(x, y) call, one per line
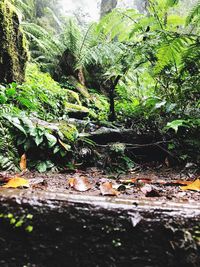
point(194, 15)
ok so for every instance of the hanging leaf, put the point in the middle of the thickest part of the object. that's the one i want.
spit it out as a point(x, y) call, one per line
point(52, 140)
point(195, 186)
point(108, 190)
point(23, 162)
point(80, 184)
point(175, 125)
point(66, 146)
point(17, 182)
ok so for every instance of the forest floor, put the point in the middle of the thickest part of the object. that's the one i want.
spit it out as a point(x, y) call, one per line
point(164, 184)
point(72, 222)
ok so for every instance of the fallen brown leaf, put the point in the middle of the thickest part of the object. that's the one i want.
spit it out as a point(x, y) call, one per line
point(80, 184)
point(155, 181)
point(23, 162)
point(128, 181)
point(17, 182)
point(195, 186)
point(108, 190)
point(181, 182)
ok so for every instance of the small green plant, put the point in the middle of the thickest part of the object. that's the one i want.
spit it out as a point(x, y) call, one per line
point(24, 221)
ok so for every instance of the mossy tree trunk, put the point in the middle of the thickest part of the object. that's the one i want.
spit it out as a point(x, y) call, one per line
point(13, 53)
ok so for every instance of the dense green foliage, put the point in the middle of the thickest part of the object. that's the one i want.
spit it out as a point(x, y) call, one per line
point(145, 66)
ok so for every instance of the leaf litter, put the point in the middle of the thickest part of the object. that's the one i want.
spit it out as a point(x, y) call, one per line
point(158, 184)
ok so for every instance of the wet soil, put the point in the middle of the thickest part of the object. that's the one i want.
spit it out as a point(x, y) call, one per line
point(165, 183)
point(76, 229)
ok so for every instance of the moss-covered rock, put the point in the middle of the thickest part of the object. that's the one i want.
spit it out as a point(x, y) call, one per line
point(13, 53)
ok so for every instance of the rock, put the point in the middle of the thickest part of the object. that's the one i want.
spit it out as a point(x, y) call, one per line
point(107, 6)
point(140, 5)
point(13, 53)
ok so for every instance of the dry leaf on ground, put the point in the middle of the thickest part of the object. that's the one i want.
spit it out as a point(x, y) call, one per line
point(17, 182)
point(155, 181)
point(193, 186)
point(108, 190)
point(80, 183)
point(23, 163)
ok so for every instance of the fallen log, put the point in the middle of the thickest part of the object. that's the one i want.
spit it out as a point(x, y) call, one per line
point(75, 230)
point(106, 135)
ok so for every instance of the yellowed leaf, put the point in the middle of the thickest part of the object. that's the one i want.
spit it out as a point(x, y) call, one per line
point(193, 186)
point(66, 146)
point(22, 163)
point(17, 182)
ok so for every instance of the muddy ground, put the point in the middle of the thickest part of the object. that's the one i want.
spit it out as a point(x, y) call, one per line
point(72, 228)
point(156, 183)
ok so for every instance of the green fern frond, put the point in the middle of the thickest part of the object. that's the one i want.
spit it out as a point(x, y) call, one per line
point(42, 43)
point(170, 53)
point(26, 8)
point(71, 36)
point(194, 15)
point(8, 151)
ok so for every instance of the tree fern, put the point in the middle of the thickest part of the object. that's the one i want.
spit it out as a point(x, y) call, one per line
point(26, 9)
point(71, 36)
point(43, 46)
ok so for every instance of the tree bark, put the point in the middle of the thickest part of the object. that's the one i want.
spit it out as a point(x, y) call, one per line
point(112, 115)
point(83, 230)
point(13, 53)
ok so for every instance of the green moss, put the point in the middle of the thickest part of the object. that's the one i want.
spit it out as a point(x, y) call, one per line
point(70, 106)
point(13, 52)
point(69, 131)
point(73, 97)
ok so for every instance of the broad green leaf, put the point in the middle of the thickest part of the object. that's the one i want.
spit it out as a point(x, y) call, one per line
point(175, 125)
point(15, 122)
point(52, 140)
point(10, 92)
point(41, 167)
point(38, 140)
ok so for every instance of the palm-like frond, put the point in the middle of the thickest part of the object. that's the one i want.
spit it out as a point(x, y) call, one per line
point(170, 52)
point(71, 36)
point(194, 15)
point(26, 8)
point(42, 43)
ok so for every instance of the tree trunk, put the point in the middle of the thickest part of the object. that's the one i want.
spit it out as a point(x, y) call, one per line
point(112, 115)
point(13, 53)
